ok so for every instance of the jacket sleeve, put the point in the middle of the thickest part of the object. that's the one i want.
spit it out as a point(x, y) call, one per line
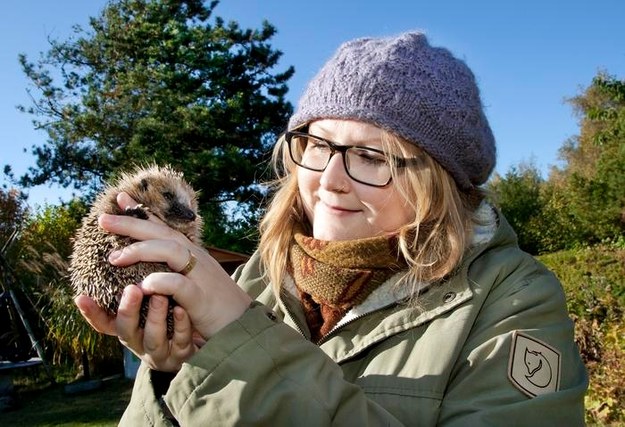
point(526, 301)
point(145, 409)
point(259, 371)
point(256, 371)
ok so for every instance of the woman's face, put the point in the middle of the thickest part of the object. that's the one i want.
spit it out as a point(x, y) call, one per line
point(340, 208)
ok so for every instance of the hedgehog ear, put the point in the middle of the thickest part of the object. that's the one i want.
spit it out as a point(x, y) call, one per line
point(144, 185)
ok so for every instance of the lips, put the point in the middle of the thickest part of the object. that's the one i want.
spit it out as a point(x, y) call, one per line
point(337, 208)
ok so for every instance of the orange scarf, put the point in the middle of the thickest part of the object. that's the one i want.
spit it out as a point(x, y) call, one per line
point(333, 276)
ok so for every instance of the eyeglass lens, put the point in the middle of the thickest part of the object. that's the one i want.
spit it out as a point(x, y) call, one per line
point(362, 164)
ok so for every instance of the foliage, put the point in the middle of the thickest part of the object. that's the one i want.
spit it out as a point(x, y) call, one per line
point(536, 210)
point(594, 177)
point(556, 228)
point(582, 202)
point(518, 197)
point(160, 81)
point(594, 281)
point(13, 211)
point(45, 246)
point(14, 340)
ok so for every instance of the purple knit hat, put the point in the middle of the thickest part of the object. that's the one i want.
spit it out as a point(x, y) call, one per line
point(419, 92)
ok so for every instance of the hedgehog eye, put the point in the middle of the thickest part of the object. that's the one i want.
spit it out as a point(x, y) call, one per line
point(168, 195)
point(144, 185)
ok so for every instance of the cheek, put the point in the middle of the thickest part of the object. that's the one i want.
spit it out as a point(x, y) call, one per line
point(392, 212)
point(307, 182)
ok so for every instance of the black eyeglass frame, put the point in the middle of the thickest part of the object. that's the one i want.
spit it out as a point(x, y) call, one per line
point(398, 162)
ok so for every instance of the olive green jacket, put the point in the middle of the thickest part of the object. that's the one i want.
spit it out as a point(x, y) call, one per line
point(492, 346)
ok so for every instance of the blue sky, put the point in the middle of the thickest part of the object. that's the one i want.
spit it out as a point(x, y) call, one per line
point(528, 57)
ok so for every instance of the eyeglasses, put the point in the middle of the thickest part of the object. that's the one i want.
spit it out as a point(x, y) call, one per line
point(362, 164)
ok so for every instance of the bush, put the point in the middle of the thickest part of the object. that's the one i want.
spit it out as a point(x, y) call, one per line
point(594, 281)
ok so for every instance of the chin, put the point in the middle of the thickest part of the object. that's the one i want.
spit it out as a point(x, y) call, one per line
point(330, 235)
point(335, 235)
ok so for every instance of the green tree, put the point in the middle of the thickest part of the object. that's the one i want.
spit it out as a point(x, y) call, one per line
point(538, 210)
point(582, 202)
point(517, 194)
point(162, 81)
point(556, 228)
point(593, 177)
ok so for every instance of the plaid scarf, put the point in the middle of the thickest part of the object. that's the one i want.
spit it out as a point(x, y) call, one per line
point(333, 276)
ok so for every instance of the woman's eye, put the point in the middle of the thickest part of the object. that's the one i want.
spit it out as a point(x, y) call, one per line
point(317, 146)
point(371, 157)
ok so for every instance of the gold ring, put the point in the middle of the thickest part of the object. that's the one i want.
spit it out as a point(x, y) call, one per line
point(189, 265)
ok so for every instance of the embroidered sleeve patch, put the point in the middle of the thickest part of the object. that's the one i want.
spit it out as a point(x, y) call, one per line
point(534, 366)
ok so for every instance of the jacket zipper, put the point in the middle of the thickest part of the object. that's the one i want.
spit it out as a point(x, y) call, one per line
point(334, 331)
point(295, 322)
point(384, 307)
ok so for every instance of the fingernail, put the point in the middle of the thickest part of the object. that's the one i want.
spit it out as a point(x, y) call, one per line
point(104, 218)
point(83, 310)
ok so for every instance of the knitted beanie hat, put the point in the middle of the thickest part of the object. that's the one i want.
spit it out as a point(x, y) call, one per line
point(418, 92)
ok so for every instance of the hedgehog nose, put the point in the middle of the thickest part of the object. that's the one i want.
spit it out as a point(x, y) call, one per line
point(182, 212)
point(188, 214)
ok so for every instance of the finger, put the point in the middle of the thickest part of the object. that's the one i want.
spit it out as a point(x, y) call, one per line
point(155, 341)
point(125, 201)
point(198, 340)
point(127, 320)
point(211, 307)
point(136, 228)
point(182, 346)
point(95, 316)
point(174, 254)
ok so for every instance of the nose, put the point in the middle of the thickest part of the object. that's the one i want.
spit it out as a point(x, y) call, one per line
point(181, 212)
point(334, 177)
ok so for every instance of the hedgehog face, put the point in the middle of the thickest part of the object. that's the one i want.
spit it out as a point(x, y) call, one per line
point(169, 197)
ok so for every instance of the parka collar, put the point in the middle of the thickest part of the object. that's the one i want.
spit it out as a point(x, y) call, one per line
point(387, 310)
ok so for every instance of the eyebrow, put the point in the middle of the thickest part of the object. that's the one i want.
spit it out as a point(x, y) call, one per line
point(325, 134)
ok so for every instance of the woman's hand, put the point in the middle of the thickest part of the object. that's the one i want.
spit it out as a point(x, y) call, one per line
point(149, 344)
point(207, 297)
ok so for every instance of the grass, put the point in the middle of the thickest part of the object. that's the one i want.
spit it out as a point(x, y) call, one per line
point(49, 405)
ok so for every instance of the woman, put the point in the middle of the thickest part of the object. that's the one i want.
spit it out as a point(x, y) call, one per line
point(385, 290)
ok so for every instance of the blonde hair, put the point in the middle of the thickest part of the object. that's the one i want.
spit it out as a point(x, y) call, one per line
point(432, 244)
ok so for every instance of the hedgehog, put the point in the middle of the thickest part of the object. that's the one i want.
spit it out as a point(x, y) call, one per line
point(160, 191)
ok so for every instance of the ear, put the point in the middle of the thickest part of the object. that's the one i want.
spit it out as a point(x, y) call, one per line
point(144, 185)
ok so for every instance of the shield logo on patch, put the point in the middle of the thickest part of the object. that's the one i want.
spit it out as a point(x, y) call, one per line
point(534, 366)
